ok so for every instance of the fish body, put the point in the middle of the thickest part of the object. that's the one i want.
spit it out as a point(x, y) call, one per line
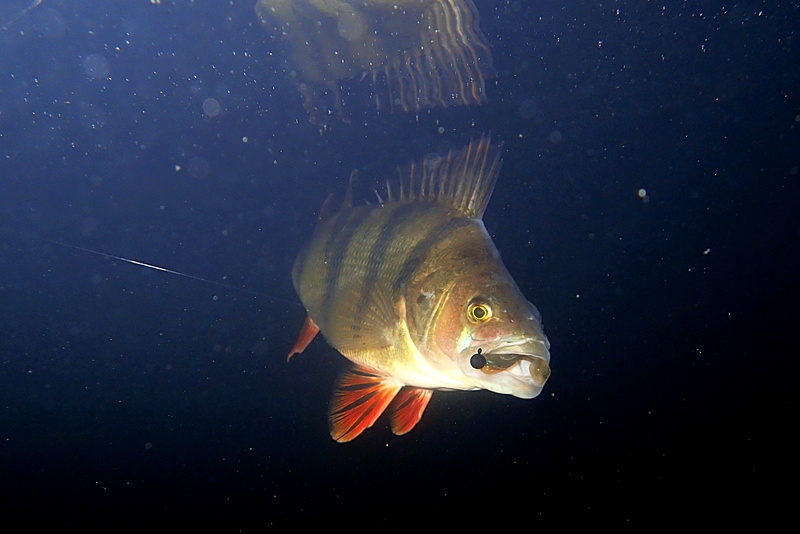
point(413, 291)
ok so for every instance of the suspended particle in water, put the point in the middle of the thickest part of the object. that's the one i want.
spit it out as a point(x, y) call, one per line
point(96, 66)
point(211, 107)
point(351, 26)
point(198, 167)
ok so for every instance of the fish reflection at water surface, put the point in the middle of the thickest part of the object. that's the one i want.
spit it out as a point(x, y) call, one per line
point(417, 54)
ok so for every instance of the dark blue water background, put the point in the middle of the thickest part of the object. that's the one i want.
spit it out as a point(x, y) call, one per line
point(648, 204)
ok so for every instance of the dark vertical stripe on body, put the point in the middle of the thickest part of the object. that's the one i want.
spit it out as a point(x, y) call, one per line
point(339, 237)
point(419, 252)
point(298, 268)
point(348, 225)
point(395, 224)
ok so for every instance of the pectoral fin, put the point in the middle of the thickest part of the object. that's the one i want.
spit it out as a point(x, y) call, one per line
point(407, 408)
point(360, 397)
point(361, 322)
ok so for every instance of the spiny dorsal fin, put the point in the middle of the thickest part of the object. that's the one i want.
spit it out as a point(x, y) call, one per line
point(464, 179)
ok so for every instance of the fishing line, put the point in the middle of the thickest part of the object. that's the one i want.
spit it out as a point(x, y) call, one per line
point(165, 270)
point(21, 14)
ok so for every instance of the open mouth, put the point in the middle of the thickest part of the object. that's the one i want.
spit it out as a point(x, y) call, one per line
point(522, 361)
point(528, 368)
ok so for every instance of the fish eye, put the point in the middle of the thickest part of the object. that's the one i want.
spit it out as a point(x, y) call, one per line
point(479, 312)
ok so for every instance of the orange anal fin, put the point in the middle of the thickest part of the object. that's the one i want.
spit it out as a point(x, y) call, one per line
point(360, 397)
point(407, 408)
point(307, 333)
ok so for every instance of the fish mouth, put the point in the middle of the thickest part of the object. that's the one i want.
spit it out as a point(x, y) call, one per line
point(524, 367)
point(519, 366)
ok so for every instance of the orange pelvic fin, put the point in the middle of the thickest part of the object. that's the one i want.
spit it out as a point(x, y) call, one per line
point(407, 408)
point(307, 333)
point(360, 397)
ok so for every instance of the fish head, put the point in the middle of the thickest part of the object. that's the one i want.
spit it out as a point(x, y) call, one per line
point(490, 336)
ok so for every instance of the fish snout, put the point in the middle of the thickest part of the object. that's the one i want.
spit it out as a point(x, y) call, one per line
point(528, 363)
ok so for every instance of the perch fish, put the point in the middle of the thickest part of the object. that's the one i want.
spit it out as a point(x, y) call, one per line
point(413, 292)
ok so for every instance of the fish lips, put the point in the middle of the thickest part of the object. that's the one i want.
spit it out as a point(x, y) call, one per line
point(532, 372)
point(520, 370)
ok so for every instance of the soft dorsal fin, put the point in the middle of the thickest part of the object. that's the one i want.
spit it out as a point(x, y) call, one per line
point(360, 397)
point(326, 211)
point(464, 179)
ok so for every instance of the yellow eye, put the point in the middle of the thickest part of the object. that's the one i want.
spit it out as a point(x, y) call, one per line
point(479, 312)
